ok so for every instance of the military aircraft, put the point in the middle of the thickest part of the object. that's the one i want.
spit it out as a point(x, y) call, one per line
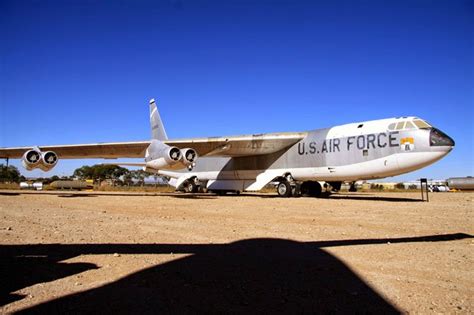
point(300, 163)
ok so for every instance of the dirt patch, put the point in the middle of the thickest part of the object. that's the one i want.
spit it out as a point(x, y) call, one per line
point(375, 252)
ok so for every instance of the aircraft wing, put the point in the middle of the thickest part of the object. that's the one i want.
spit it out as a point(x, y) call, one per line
point(79, 151)
point(215, 146)
point(235, 146)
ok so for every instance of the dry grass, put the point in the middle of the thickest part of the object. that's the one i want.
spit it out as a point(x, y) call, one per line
point(166, 188)
point(9, 186)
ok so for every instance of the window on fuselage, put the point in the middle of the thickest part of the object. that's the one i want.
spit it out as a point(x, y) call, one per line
point(421, 124)
point(400, 125)
point(409, 125)
point(406, 125)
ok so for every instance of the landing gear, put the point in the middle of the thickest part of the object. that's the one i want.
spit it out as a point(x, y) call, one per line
point(335, 186)
point(191, 186)
point(288, 187)
point(311, 188)
point(284, 189)
point(353, 187)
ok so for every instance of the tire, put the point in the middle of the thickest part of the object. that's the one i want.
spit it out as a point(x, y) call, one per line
point(190, 187)
point(311, 188)
point(352, 188)
point(284, 189)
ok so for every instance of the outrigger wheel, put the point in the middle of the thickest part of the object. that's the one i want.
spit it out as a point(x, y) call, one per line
point(284, 189)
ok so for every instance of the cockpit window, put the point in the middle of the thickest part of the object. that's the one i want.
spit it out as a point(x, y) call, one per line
point(400, 125)
point(409, 125)
point(421, 124)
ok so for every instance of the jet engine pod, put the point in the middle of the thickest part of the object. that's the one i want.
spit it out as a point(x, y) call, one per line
point(31, 159)
point(166, 158)
point(174, 154)
point(34, 158)
point(189, 156)
point(49, 160)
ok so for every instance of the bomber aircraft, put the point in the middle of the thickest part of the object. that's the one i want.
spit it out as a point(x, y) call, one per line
point(298, 162)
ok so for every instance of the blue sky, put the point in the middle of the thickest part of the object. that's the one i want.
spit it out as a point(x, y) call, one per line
point(83, 71)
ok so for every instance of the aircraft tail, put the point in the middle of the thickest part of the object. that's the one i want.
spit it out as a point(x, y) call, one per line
point(157, 129)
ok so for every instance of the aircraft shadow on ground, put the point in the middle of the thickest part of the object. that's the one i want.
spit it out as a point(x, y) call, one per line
point(248, 276)
point(372, 198)
point(76, 196)
point(7, 193)
point(339, 196)
point(194, 196)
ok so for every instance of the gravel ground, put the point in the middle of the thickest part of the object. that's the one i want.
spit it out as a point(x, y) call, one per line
point(352, 252)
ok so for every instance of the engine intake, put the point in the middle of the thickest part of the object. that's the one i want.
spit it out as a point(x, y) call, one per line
point(34, 158)
point(31, 159)
point(189, 156)
point(174, 154)
point(48, 161)
point(160, 156)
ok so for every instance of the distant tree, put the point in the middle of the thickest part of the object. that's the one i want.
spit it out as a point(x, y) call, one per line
point(400, 186)
point(9, 174)
point(54, 178)
point(84, 172)
point(376, 187)
point(128, 178)
point(100, 172)
point(140, 176)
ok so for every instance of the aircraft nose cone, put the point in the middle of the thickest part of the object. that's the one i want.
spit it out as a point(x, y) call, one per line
point(440, 139)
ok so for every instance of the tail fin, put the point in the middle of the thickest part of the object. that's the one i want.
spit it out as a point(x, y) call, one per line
point(157, 129)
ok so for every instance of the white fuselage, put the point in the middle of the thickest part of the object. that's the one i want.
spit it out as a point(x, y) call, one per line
point(366, 150)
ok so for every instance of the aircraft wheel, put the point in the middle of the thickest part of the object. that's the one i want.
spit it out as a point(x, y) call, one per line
point(311, 188)
point(353, 187)
point(284, 189)
point(190, 187)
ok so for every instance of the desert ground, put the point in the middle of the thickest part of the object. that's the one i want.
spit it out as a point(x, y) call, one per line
point(255, 253)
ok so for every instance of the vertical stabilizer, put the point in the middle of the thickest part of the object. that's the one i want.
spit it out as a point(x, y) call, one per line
point(157, 129)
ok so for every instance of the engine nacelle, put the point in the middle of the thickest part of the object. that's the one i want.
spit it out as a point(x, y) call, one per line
point(160, 156)
point(189, 156)
point(48, 161)
point(170, 158)
point(34, 158)
point(31, 159)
